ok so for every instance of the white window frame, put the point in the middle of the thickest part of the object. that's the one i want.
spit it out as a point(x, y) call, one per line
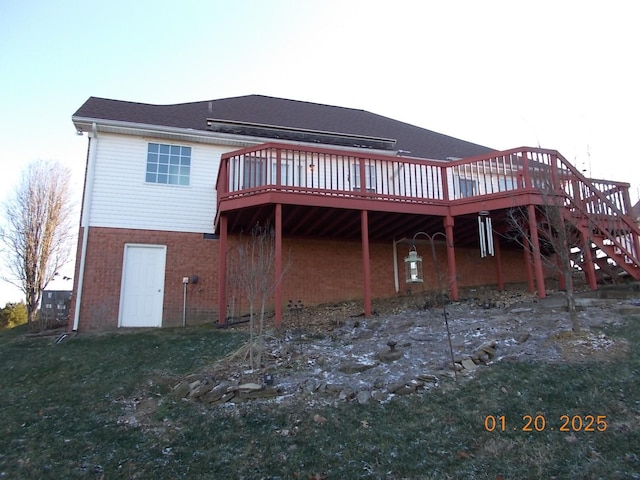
point(464, 184)
point(169, 164)
point(370, 177)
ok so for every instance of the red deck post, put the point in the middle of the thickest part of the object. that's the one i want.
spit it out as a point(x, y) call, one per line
point(222, 271)
point(628, 210)
point(537, 259)
point(451, 258)
point(498, 257)
point(278, 265)
point(366, 268)
point(527, 263)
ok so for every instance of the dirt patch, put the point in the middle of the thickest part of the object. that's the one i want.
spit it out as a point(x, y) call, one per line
point(589, 346)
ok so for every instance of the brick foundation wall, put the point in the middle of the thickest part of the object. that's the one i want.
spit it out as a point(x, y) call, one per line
point(318, 271)
point(188, 254)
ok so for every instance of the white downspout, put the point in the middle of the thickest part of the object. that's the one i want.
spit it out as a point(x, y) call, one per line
point(84, 220)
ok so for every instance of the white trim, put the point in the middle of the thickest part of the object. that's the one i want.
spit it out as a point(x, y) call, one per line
point(84, 221)
point(203, 136)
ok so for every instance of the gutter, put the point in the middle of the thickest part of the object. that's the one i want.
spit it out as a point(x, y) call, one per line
point(203, 136)
point(84, 220)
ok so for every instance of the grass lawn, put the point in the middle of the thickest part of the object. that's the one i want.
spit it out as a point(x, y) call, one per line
point(67, 411)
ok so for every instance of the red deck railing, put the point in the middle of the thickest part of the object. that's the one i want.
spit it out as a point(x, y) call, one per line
point(317, 171)
point(602, 207)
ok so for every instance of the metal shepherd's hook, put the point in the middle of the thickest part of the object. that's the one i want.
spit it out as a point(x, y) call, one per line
point(436, 264)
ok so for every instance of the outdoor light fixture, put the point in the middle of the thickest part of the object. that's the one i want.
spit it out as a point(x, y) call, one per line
point(413, 266)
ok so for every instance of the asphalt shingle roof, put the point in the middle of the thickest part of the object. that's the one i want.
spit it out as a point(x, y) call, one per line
point(280, 112)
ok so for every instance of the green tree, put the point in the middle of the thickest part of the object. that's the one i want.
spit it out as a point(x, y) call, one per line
point(13, 314)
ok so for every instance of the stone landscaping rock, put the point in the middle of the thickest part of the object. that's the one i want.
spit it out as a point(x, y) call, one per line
point(469, 364)
point(390, 356)
point(427, 377)
point(181, 390)
point(342, 361)
point(347, 394)
point(199, 391)
point(363, 397)
point(249, 387)
point(355, 367)
point(267, 392)
point(216, 392)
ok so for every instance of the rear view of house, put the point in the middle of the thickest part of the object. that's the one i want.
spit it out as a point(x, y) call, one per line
point(170, 190)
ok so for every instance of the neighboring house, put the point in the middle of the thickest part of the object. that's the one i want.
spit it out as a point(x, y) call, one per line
point(170, 191)
point(54, 306)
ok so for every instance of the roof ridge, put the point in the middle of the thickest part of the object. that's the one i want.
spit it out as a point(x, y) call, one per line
point(282, 99)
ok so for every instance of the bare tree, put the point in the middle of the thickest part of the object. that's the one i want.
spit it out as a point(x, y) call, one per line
point(256, 276)
point(36, 233)
point(557, 236)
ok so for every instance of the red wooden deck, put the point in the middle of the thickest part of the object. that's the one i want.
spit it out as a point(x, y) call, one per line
point(319, 192)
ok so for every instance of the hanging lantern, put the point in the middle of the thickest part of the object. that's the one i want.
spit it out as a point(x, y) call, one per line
point(413, 266)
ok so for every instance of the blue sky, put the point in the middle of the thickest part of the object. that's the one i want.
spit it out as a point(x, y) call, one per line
point(559, 74)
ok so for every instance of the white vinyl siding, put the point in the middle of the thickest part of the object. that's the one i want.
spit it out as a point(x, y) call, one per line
point(123, 199)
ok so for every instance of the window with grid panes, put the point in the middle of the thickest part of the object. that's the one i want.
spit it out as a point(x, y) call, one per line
point(168, 164)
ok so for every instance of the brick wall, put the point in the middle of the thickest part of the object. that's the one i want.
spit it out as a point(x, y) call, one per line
point(318, 271)
point(188, 254)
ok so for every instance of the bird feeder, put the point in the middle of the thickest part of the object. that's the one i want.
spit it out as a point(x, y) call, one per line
point(413, 266)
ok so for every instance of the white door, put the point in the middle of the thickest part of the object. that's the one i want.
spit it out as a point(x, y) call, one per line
point(142, 289)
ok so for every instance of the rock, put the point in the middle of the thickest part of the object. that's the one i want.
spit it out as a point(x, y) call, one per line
point(331, 388)
point(469, 364)
point(390, 356)
point(420, 336)
point(199, 391)
point(523, 337)
point(403, 387)
point(267, 392)
point(355, 367)
point(521, 310)
point(363, 397)
point(488, 348)
point(379, 396)
point(249, 387)
point(405, 390)
point(216, 393)
point(347, 394)
point(427, 377)
point(310, 386)
point(491, 352)
point(181, 390)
